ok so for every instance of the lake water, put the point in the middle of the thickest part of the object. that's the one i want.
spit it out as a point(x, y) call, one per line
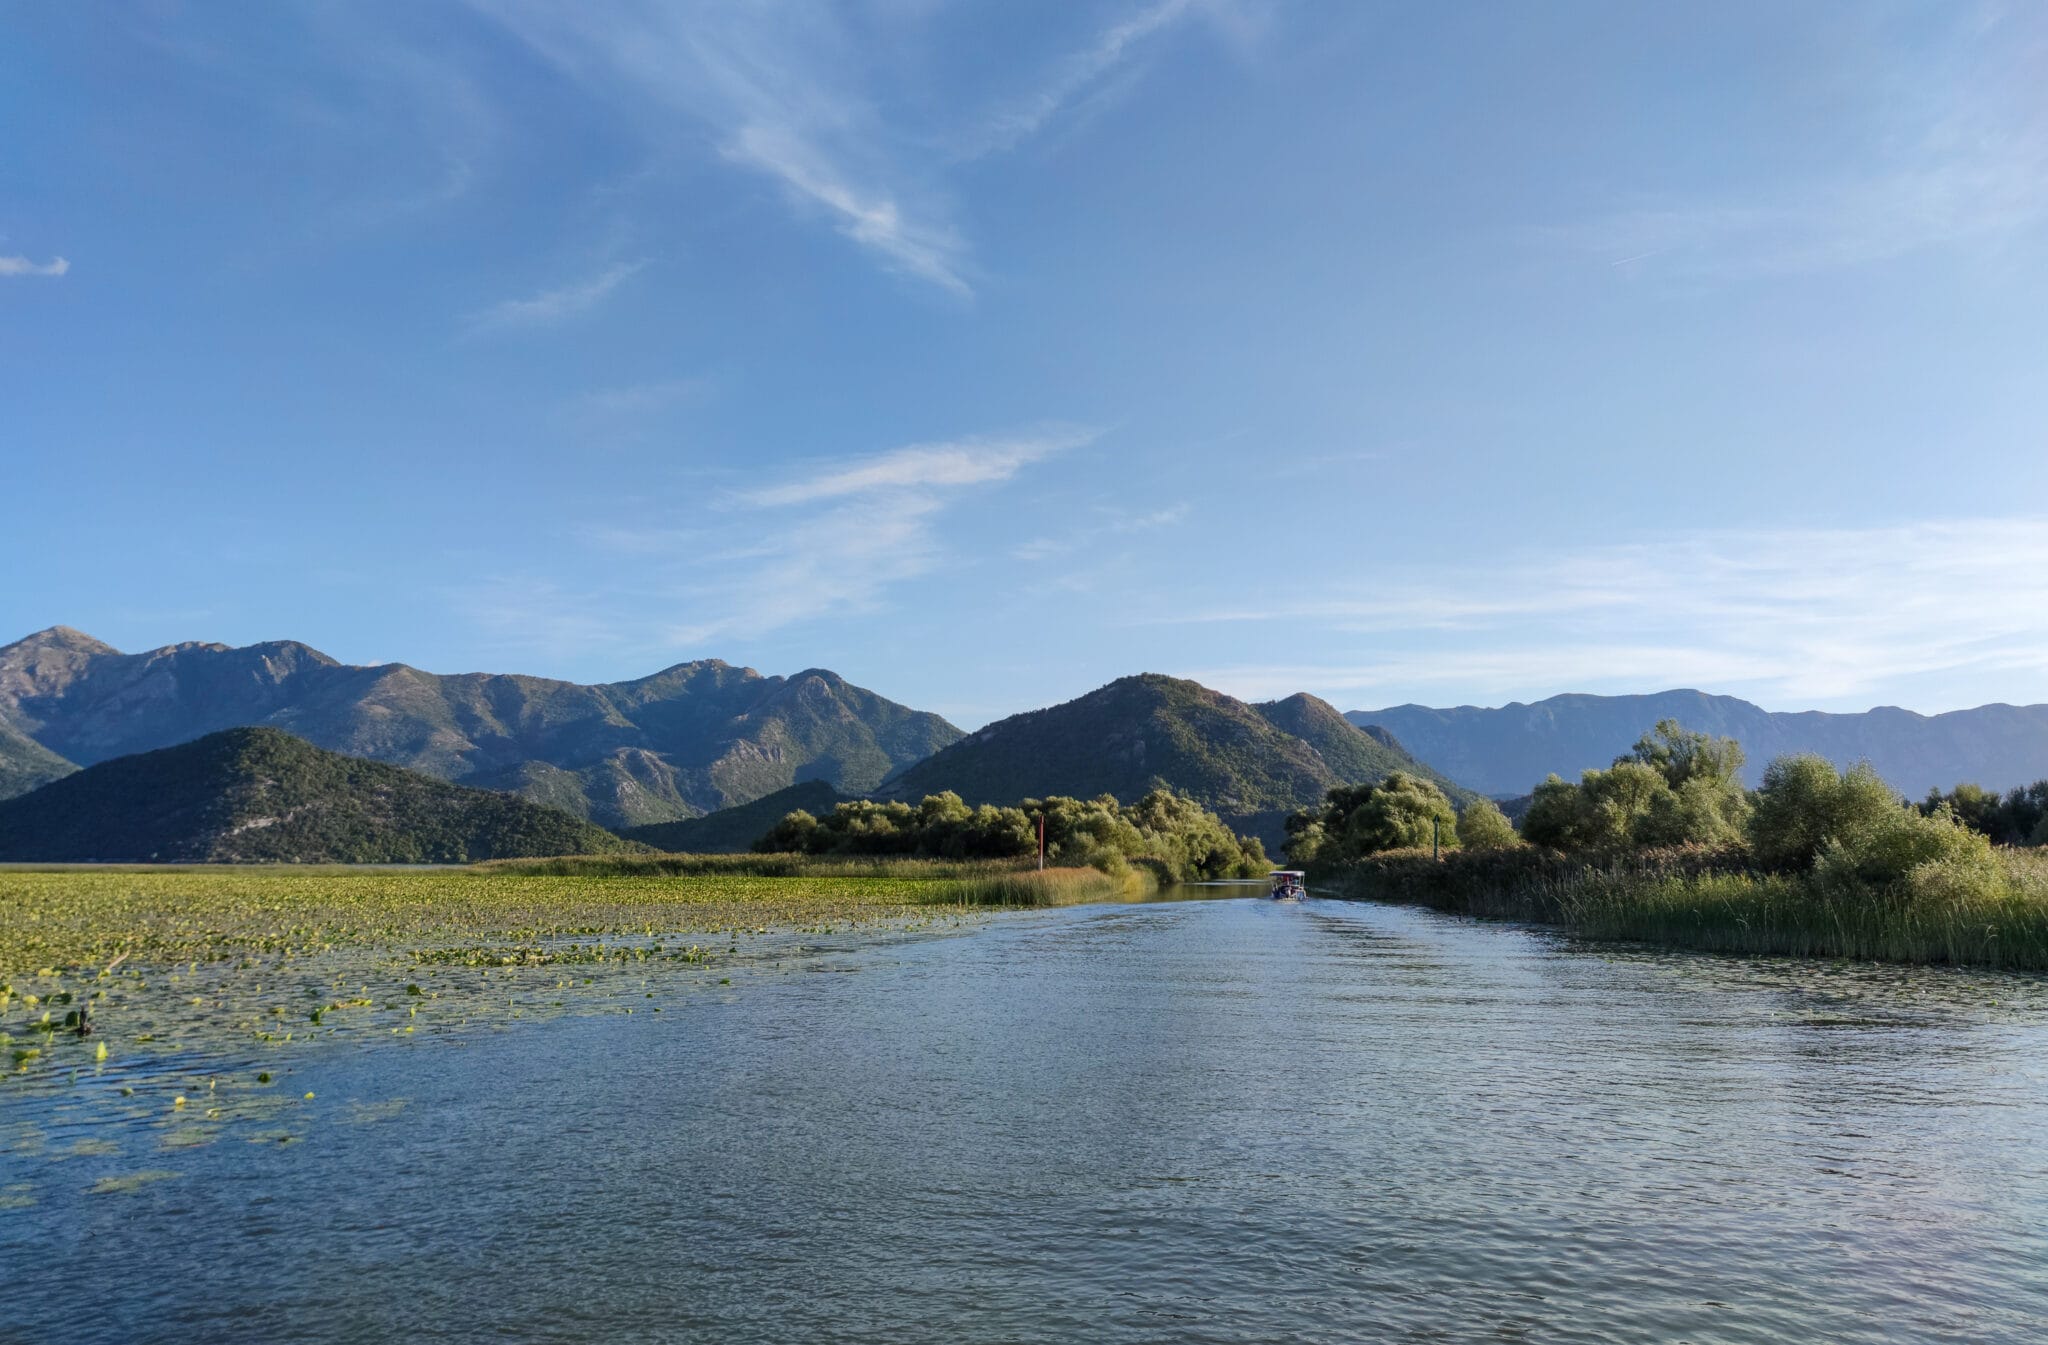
point(1200, 1121)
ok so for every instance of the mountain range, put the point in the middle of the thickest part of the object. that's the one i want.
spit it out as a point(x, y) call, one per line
point(686, 741)
point(1509, 750)
point(260, 795)
point(645, 757)
point(1251, 764)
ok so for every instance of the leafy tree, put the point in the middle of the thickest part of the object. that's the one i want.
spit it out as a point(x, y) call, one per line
point(1606, 810)
point(2013, 819)
point(1681, 755)
point(790, 836)
point(1175, 833)
point(1400, 812)
point(1306, 837)
point(1483, 826)
point(1619, 799)
point(1554, 814)
point(1708, 805)
point(1805, 803)
point(1698, 812)
point(1675, 787)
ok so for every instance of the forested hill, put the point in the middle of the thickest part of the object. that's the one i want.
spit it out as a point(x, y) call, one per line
point(1511, 749)
point(693, 738)
point(260, 795)
point(1354, 756)
point(734, 830)
point(1252, 765)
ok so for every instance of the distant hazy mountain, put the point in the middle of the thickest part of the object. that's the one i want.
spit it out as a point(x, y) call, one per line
point(1509, 750)
point(734, 830)
point(254, 795)
point(697, 737)
point(1251, 764)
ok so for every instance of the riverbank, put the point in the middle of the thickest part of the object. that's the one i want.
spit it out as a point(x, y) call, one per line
point(164, 961)
point(1717, 900)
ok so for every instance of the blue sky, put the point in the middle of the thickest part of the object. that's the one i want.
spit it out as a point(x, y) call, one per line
point(1450, 353)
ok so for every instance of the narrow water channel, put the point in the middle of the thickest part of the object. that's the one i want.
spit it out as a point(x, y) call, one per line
point(1223, 1120)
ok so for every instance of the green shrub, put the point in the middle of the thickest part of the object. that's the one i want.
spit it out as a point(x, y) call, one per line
point(1956, 883)
point(1805, 803)
point(1400, 812)
point(1881, 853)
point(1483, 826)
point(1675, 788)
point(1183, 839)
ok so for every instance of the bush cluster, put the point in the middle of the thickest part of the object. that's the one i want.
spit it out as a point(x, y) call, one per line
point(2018, 817)
point(1164, 830)
point(1674, 788)
point(1842, 836)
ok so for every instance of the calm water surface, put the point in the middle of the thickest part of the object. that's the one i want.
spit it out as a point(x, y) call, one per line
point(1223, 1120)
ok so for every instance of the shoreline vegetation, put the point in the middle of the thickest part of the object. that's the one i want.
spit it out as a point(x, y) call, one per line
point(161, 960)
point(1715, 901)
point(1666, 847)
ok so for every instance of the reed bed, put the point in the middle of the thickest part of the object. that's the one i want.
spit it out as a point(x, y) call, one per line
point(1044, 887)
point(1718, 901)
point(748, 865)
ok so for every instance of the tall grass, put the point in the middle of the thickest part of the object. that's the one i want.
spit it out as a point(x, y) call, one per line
point(752, 866)
point(1039, 887)
point(1718, 900)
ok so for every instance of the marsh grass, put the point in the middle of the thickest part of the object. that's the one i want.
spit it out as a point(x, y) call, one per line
point(1717, 900)
point(1048, 887)
point(751, 866)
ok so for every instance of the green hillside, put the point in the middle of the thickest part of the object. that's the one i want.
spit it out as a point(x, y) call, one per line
point(686, 741)
point(734, 830)
point(260, 795)
point(26, 763)
point(1354, 755)
point(1248, 764)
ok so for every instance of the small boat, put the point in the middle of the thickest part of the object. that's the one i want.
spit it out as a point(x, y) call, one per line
point(1289, 884)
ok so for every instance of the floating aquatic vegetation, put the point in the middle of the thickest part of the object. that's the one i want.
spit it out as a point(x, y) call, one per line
point(174, 962)
point(132, 1182)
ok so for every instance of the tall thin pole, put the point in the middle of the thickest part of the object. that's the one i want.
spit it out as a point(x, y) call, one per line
point(1041, 840)
point(1436, 829)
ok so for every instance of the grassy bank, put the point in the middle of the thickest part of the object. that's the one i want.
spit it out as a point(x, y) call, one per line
point(1718, 900)
point(164, 959)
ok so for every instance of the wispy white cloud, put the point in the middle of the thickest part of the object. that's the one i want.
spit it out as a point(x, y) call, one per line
point(780, 88)
point(868, 214)
point(961, 462)
point(837, 538)
point(552, 306)
point(837, 563)
point(1113, 525)
point(803, 96)
point(833, 541)
point(1071, 77)
point(22, 266)
point(1792, 616)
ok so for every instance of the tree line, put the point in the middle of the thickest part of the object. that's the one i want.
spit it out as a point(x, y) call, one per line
point(1165, 830)
point(1847, 830)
